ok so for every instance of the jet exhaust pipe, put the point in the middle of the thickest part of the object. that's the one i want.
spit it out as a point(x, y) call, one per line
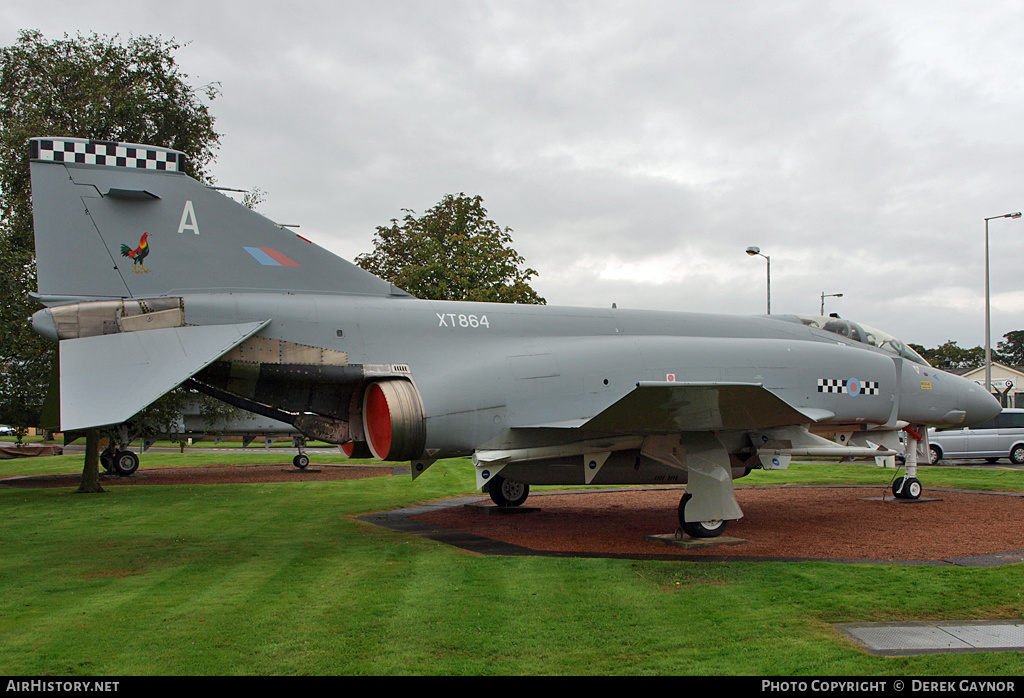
point(393, 422)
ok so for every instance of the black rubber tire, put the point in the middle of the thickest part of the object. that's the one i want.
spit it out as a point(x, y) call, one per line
point(507, 493)
point(1017, 454)
point(911, 489)
point(300, 461)
point(897, 486)
point(934, 454)
point(125, 463)
point(699, 529)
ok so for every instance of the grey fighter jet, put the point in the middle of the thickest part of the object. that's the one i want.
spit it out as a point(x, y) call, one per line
point(239, 308)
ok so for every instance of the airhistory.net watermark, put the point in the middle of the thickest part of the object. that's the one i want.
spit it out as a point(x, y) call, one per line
point(51, 686)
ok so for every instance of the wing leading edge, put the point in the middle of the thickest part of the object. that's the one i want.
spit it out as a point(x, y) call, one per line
point(668, 408)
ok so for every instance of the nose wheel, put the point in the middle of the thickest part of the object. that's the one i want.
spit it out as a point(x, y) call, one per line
point(906, 488)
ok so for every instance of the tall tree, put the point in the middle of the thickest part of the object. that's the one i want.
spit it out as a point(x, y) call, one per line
point(85, 87)
point(951, 356)
point(452, 252)
point(1011, 349)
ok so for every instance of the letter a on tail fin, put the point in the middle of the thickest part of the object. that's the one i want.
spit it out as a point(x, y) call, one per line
point(118, 220)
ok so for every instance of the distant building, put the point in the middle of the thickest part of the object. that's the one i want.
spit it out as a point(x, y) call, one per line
point(1007, 382)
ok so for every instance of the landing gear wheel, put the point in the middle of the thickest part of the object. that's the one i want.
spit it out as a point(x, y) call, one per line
point(699, 529)
point(1017, 455)
point(125, 463)
point(507, 493)
point(934, 455)
point(107, 461)
point(910, 489)
point(300, 461)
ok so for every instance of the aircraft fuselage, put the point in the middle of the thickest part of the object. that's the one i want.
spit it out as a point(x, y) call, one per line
point(483, 369)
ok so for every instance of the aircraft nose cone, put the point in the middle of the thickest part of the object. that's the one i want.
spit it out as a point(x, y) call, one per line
point(980, 406)
point(951, 401)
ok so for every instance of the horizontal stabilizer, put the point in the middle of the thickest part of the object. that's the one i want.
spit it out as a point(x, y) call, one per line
point(668, 408)
point(107, 379)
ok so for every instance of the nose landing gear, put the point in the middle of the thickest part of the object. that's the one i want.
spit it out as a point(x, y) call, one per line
point(906, 488)
point(909, 487)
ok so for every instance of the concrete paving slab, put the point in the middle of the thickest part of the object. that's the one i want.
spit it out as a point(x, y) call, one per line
point(687, 543)
point(901, 639)
point(988, 636)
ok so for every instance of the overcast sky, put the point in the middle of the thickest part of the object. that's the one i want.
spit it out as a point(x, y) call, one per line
point(636, 149)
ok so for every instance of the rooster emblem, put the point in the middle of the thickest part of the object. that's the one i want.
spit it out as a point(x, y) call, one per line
point(137, 255)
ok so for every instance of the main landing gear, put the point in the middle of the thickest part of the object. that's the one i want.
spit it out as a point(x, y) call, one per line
point(301, 460)
point(507, 493)
point(114, 460)
point(699, 529)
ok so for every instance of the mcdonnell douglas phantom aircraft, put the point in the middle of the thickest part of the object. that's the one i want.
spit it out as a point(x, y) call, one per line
point(152, 280)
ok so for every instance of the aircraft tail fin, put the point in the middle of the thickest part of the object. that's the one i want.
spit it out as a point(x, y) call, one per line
point(120, 220)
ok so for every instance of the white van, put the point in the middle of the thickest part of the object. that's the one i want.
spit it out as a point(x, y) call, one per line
point(1001, 437)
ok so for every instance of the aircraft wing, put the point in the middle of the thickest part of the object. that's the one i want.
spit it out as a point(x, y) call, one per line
point(107, 379)
point(672, 407)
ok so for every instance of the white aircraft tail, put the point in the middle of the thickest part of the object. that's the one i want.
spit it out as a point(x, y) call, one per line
point(119, 220)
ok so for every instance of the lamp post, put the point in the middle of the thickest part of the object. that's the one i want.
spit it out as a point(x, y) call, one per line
point(756, 251)
point(988, 311)
point(827, 295)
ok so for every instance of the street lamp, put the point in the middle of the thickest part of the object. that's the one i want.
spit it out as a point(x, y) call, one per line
point(988, 312)
point(827, 295)
point(756, 252)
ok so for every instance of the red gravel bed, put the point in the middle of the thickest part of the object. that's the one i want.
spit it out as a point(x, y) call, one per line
point(797, 522)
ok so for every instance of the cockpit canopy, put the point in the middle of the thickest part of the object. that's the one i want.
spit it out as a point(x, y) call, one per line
point(860, 333)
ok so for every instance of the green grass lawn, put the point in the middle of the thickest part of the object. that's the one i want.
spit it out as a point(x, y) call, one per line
point(277, 579)
point(72, 461)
